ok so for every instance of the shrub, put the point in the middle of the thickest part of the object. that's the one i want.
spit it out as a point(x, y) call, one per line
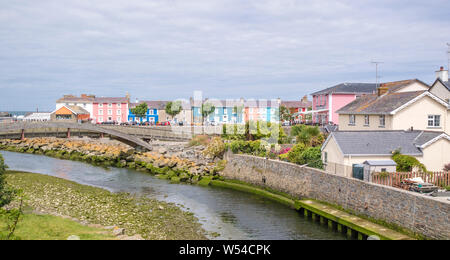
point(312, 156)
point(295, 155)
point(406, 163)
point(447, 167)
point(216, 148)
point(200, 140)
point(6, 193)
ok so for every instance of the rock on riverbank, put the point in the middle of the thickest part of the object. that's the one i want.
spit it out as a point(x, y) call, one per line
point(170, 161)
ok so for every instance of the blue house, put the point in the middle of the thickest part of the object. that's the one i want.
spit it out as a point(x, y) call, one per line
point(153, 113)
point(225, 112)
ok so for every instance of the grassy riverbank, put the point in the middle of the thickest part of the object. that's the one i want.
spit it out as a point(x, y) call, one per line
point(149, 218)
point(47, 227)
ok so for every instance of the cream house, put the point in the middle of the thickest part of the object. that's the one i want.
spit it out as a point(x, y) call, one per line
point(441, 87)
point(417, 110)
point(343, 149)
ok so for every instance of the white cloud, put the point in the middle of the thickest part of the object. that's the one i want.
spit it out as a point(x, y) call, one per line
point(258, 48)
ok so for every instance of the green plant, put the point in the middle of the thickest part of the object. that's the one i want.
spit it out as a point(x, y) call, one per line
point(206, 110)
point(216, 148)
point(295, 155)
point(200, 140)
point(6, 193)
point(406, 163)
point(173, 108)
point(140, 110)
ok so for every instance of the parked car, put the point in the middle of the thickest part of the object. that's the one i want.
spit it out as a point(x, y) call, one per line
point(109, 123)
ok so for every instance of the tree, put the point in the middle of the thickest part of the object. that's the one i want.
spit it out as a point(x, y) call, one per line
point(285, 114)
point(6, 193)
point(140, 110)
point(206, 110)
point(173, 108)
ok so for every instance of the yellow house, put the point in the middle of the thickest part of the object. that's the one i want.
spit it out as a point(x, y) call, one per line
point(343, 149)
point(416, 110)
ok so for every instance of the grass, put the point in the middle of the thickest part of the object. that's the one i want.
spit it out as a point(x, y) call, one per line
point(47, 227)
point(150, 218)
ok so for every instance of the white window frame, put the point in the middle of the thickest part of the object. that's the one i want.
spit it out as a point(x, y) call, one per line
point(119, 112)
point(366, 120)
point(100, 111)
point(351, 119)
point(100, 105)
point(435, 121)
point(382, 121)
point(110, 112)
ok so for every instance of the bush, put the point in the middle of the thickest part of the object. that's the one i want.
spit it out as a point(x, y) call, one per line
point(200, 140)
point(406, 163)
point(295, 155)
point(216, 148)
point(447, 167)
point(312, 156)
point(6, 193)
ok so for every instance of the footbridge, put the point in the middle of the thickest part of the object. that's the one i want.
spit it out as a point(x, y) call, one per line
point(60, 129)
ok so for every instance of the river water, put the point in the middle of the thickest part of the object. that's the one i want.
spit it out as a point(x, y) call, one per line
point(232, 214)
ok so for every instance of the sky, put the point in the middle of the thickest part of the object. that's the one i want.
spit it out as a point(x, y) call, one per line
point(167, 49)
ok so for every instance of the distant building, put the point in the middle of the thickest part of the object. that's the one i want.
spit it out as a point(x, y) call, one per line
point(441, 87)
point(72, 114)
point(298, 108)
point(37, 117)
point(225, 111)
point(327, 102)
point(418, 110)
point(110, 109)
point(84, 101)
point(155, 112)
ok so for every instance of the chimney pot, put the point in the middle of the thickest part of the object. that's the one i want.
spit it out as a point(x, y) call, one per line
point(442, 74)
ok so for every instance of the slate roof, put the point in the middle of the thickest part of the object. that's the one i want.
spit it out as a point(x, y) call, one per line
point(296, 104)
point(75, 99)
point(373, 104)
point(380, 163)
point(104, 100)
point(79, 110)
point(381, 142)
point(346, 88)
point(160, 105)
point(398, 85)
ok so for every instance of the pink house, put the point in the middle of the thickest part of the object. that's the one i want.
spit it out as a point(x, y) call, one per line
point(326, 102)
point(110, 109)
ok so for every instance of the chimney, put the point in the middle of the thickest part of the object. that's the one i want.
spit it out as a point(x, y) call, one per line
point(442, 74)
point(382, 90)
point(84, 96)
point(279, 101)
point(305, 99)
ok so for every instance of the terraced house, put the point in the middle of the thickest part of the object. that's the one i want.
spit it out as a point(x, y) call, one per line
point(225, 111)
point(155, 112)
point(110, 109)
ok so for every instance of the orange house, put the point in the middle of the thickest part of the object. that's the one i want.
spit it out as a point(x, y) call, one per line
point(70, 114)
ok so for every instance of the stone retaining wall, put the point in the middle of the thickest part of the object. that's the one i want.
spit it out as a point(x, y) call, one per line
point(419, 213)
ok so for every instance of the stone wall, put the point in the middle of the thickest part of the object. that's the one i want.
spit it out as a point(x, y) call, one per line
point(419, 213)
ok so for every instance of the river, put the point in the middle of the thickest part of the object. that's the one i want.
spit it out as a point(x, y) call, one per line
point(231, 214)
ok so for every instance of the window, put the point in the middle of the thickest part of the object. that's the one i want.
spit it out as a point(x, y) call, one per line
point(351, 119)
point(383, 170)
point(225, 111)
point(100, 119)
point(119, 105)
point(109, 105)
point(109, 111)
point(100, 105)
point(382, 121)
point(434, 121)
point(366, 120)
point(151, 112)
point(119, 119)
point(100, 112)
point(118, 111)
point(325, 157)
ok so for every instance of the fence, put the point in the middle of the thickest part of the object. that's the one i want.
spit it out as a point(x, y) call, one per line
point(395, 179)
